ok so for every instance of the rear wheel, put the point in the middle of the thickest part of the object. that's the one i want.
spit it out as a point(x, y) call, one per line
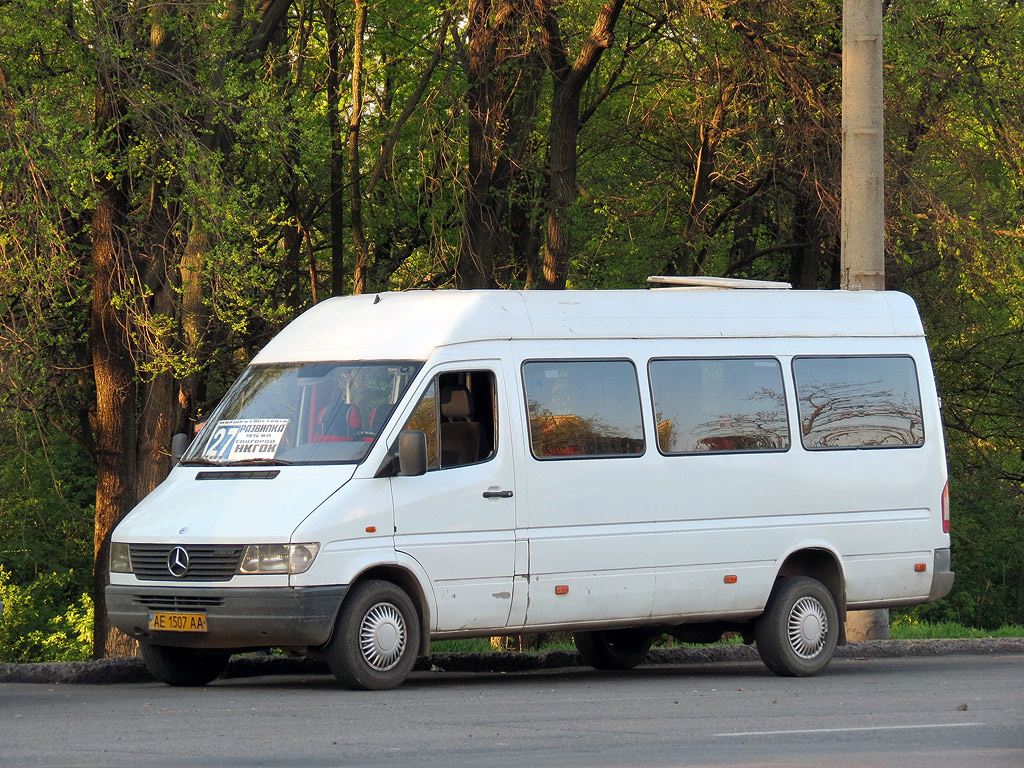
point(184, 666)
point(376, 639)
point(796, 635)
point(613, 648)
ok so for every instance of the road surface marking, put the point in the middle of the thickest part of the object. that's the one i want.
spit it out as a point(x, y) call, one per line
point(853, 730)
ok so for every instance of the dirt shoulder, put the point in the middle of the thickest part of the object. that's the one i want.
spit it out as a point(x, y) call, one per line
point(133, 670)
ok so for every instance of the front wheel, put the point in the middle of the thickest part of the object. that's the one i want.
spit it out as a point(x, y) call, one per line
point(376, 639)
point(184, 666)
point(613, 648)
point(796, 635)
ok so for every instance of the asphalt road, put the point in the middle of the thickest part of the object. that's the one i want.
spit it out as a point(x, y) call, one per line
point(928, 712)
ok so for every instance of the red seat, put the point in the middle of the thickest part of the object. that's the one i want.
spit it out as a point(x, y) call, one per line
point(338, 424)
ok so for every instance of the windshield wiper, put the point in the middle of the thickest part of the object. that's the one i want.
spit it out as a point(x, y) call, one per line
point(200, 463)
point(258, 462)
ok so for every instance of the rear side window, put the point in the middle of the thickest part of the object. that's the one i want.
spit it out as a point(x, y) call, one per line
point(583, 408)
point(858, 402)
point(719, 405)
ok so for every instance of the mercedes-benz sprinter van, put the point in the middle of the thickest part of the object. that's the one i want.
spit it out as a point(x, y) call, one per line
point(398, 468)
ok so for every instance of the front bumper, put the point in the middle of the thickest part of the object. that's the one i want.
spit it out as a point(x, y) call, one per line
point(260, 617)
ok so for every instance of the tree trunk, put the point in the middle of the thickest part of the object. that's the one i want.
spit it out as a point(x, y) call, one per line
point(362, 252)
point(806, 256)
point(336, 181)
point(568, 81)
point(503, 70)
point(480, 229)
point(562, 137)
point(194, 325)
point(158, 410)
point(525, 226)
point(158, 407)
point(111, 344)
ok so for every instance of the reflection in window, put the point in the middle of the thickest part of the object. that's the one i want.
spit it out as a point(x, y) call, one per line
point(584, 408)
point(303, 413)
point(858, 402)
point(707, 405)
point(424, 418)
point(458, 414)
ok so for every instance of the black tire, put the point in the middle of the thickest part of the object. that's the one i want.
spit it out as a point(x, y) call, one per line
point(184, 666)
point(376, 638)
point(613, 648)
point(796, 635)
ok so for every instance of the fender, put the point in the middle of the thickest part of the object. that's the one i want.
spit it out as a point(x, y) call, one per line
point(815, 558)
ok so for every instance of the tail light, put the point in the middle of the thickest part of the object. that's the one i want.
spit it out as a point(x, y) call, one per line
point(945, 508)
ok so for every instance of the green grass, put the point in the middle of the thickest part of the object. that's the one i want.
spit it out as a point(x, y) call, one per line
point(483, 645)
point(468, 645)
point(901, 628)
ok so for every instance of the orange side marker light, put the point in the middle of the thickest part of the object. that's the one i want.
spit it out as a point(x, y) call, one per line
point(921, 567)
point(731, 579)
point(562, 589)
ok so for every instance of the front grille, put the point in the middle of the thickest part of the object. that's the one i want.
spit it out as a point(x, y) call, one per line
point(206, 562)
point(176, 602)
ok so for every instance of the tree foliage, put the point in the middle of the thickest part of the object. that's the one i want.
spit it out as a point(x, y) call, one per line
point(50, 619)
point(45, 545)
point(178, 180)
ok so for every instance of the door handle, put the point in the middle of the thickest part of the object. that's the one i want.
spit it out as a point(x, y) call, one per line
point(497, 494)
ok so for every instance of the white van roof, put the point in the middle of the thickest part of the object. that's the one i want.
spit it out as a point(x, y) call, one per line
point(410, 325)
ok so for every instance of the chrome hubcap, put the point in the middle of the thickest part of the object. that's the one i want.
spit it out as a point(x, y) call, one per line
point(808, 627)
point(382, 637)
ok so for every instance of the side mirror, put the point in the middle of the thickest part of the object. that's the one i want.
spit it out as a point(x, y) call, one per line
point(412, 453)
point(179, 443)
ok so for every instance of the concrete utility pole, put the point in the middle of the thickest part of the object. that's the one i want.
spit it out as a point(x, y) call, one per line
point(863, 194)
point(863, 201)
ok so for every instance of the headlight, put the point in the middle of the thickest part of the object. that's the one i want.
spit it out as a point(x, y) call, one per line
point(278, 558)
point(120, 558)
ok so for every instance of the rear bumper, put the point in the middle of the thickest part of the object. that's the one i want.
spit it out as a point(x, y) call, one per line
point(942, 576)
point(236, 618)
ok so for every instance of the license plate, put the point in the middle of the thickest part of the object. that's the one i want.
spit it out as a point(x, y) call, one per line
point(178, 622)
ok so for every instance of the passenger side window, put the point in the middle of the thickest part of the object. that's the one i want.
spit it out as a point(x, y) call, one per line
point(583, 408)
point(424, 419)
point(858, 402)
point(458, 414)
point(719, 405)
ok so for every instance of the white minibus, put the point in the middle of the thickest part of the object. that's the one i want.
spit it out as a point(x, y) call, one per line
point(398, 468)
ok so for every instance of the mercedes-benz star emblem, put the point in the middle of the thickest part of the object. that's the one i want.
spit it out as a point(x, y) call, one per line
point(177, 562)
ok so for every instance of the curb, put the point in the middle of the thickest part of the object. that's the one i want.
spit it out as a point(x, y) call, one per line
point(133, 670)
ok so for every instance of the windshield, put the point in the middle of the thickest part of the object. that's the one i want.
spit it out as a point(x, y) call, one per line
point(302, 413)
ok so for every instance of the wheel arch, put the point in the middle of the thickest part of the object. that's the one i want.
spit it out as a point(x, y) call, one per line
point(408, 582)
point(822, 564)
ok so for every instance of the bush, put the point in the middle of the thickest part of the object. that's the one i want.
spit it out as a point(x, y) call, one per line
point(46, 512)
point(46, 524)
point(50, 619)
point(988, 547)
